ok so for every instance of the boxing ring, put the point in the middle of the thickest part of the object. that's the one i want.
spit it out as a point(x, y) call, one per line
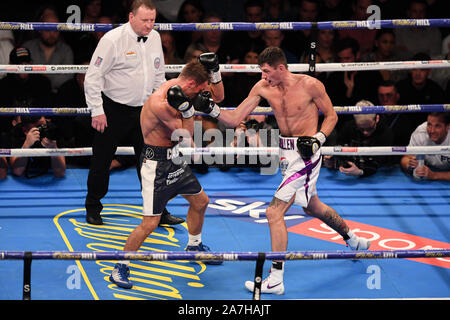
point(408, 222)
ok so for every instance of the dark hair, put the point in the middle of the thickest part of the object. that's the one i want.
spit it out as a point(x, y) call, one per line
point(138, 3)
point(253, 3)
point(388, 83)
point(195, 3)
point(445, 116)
point(381, 32)
point(348, 43)
point(421, 56)
point(196, 71)
point(273, 56)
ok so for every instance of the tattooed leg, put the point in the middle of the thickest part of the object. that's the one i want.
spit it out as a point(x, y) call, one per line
point(320, 210)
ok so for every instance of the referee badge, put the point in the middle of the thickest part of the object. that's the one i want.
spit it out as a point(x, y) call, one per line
point(98, 62)
point(157, 63)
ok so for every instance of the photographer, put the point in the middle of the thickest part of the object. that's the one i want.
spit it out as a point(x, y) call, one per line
point(35, 132)
point(248, 134)
point(365, 130)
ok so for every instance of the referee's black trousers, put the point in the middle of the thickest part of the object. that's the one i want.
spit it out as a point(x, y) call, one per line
point(123, 122)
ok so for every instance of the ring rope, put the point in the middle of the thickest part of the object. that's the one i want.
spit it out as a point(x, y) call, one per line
point(249, 68)
point(411, 108)
point(232, 26)
point(241, 151)
point(224, 256)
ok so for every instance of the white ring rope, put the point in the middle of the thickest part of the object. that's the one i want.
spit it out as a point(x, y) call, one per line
point(296, 67)
point(270, 151)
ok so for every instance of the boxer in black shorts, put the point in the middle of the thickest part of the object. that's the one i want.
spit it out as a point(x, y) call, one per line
point(163, 179)
point(169, 108)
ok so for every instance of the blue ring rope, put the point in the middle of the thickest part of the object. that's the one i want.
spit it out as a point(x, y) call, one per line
point(339, 110)
point(223, 256)
point(233, 26)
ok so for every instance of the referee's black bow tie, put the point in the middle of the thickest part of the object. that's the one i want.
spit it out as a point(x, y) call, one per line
point(142, 38)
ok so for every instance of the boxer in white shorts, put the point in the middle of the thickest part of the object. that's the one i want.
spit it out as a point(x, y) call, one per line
point(295, 100)
point(299, 175)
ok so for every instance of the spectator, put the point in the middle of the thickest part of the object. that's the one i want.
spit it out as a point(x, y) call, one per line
point(417, 88)
point(6, 45)
point(365, 37)
point(325, 51)
point(332, 10)
point(391, 9)
point(384, 50)
point(213, 41)
point(3, 168)
point(253, 12)
point(22, 89)
point(77, 130)
point(170, 52)
point(194, 51)
point(191, 11)
point(274, 38)
point(36, 132)
point(298, 42)
point(50, 49)
point(277, 10)
point(364, 131)
point(413, 40)
point(433, 132)
point(243, 81)
point(348, 87)
point(400, 123)
point(92, 11)
point(441, 75)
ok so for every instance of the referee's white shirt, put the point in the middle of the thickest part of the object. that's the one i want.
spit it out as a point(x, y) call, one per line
point(126, 70)
point(420, 138)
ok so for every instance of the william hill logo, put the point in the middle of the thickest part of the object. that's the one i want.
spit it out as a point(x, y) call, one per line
point(151, 279)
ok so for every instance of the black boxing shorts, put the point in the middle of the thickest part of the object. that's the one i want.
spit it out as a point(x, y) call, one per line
point(164, 179)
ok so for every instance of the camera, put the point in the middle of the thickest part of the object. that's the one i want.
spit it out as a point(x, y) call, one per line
point(253, 124)
point(48, 131)
point(342, 161)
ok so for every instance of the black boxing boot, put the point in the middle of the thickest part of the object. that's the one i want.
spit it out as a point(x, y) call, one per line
point(167, 218)
point(93, 209)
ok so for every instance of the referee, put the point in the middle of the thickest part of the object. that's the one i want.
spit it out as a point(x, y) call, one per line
point(126, 67)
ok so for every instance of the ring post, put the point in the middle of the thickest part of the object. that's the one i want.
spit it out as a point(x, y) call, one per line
point(27, 275)
point(258, 276)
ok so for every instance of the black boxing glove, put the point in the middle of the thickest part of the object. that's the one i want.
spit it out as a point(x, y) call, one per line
point(203, 103)
point(308, 146)
point(210, 61)
point(178, 100)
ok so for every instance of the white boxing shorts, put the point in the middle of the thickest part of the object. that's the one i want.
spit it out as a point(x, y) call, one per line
point(300, 175)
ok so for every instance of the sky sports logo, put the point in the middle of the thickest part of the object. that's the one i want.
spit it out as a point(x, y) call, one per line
point(253, 211)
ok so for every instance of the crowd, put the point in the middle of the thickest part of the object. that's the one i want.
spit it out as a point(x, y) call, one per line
point(385, 87)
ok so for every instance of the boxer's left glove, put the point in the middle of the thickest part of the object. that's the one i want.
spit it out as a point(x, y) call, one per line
point(203, 103)
point(210, 61)
point(178, 100)
point(308, 146)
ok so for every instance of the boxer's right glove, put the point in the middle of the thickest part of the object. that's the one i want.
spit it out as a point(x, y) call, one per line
point(210, 61)
point(203, 103)
point(308, 146)
point(178, 100)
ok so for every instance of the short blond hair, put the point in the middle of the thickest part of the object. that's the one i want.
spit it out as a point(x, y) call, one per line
point(360, 118)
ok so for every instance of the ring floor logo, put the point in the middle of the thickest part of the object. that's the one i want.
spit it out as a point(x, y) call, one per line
point(151, 279)
point(252, 210)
